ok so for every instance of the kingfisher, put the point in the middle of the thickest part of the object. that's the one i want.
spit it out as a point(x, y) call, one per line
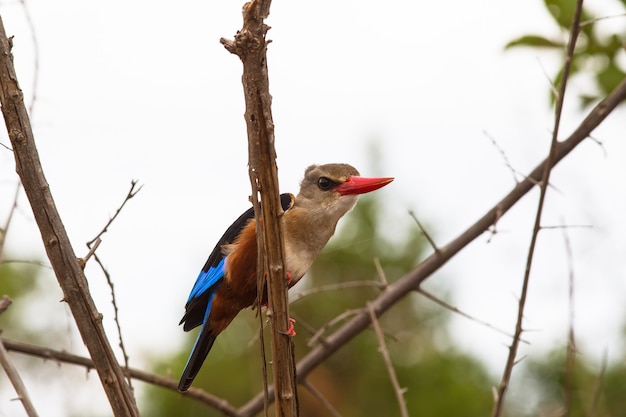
point(227, 283)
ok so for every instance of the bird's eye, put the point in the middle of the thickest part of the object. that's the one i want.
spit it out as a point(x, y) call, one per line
point(325, 184)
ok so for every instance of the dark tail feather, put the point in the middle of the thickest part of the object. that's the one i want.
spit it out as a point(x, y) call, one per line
point(201, 349)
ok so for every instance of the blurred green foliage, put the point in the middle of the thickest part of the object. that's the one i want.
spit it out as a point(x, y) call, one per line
point(597, 53)
point(594, 389)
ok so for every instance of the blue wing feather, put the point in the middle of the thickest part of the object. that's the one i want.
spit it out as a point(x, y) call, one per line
point(207, 279)
point(198, 307)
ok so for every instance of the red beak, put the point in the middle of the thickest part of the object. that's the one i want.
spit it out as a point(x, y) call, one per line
point(361, 185)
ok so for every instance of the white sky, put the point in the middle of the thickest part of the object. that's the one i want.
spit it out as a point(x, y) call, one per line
point(143, 90)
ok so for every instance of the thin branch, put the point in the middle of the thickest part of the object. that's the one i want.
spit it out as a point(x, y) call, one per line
point(93, 245)
point(545, 181)
point(399, 391)
point(332, 322)
point(409, 282)
point(131, 193)
point(426, 235)
point(445, 305)
point(5, 230)
point(83, 261)
point(116, 315)
point(170, 384)
point(597, 19)
point(381, 274)
point(11, 370)
point(67, 269)
point(33, 36)
point(318, 395)
point(505, 158)
point(597, 392)
point(333, 287)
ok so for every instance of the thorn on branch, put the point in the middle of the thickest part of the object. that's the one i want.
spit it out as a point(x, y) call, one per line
point(83, 261)
point(507, 162)
point(426, 235)
point(453, 309)
point(320, 397)
point(131, 193)
point(381, 274)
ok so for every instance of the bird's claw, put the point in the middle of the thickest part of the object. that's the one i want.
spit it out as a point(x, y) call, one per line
point(290, 330)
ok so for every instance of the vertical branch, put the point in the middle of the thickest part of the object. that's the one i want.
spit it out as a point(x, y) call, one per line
point(250, 45)
point(570, 354)
point(545, 180)
point(57, 244)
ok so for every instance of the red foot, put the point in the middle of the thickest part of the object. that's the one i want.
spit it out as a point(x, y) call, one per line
point(289, 277)
point(290, 330)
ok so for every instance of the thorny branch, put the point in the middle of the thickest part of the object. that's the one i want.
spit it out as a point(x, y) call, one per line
point(409, 282)
point(131, 193)
point(92, 245)
point(250, 45)
point(545, 181)
point(399, 391)
point(56, 241)
point(160, 381)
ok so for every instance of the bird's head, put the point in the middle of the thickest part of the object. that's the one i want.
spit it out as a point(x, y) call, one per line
point(334, 188)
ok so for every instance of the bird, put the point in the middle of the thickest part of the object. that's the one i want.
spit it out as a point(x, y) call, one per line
point(227, 283)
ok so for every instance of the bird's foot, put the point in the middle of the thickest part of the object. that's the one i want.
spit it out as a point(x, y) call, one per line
point(290, 330)
point(289, 277)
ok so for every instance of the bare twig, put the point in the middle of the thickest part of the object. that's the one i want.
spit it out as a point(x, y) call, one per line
point(426, 235)
point(33, 36)
point(318, 395)
point(161, 381)
point(505, 158)
point(342, 317)
point(443, 304)
point(545, 181)
point(597, 19)
point(57, 244)
point(83, 261)
point(399, 391)
point(426, 268)
point(7, 223)
point(131, 193)
point(11, 370)
point(381, 274)
point(333, 287)
point(93, 245)
point(116, 315)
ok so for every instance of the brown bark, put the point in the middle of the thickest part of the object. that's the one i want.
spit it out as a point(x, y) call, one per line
point(251, 46)
point(57, 244)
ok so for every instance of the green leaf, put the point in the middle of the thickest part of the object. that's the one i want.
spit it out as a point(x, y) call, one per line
point(534, 41)
point(562, 11)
